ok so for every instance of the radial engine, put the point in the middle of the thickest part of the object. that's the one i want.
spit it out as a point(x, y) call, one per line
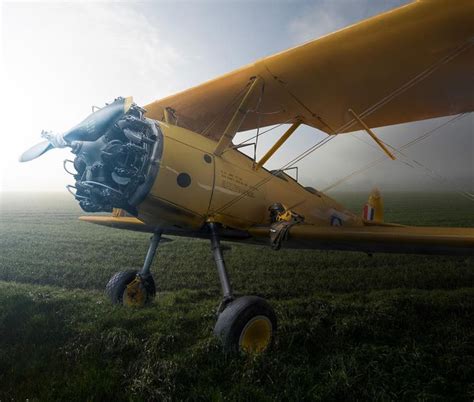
point(117, 157)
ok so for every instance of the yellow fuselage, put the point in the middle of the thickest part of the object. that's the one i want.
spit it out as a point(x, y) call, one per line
point(193, 186)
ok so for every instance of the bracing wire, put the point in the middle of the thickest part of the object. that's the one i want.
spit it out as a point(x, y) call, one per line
point(418, 164)
point(263, 132)
point(272, 176)
point(376, 106)
point(225, 109)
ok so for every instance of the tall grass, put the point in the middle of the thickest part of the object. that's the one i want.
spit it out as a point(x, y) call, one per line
point(351, 327)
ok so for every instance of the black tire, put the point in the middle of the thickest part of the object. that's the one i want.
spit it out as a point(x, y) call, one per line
point(237, 317)
point(119, 281)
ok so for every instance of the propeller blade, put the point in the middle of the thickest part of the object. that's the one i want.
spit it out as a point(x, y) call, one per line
point(94, 126)
point(90, 129)
point(35, 151)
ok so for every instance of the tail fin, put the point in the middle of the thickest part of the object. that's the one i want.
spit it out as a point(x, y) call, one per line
point(373, 209)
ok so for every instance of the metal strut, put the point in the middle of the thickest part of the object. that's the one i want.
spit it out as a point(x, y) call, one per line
point(372, 134)
point(277, 144)
point(220, 263)
point(238, 117)
point(154, 241)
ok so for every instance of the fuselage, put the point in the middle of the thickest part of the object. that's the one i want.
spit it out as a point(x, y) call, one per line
point(193, 186)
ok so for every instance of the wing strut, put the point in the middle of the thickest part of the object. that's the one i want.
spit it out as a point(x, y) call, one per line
point(237, 118)
point(372, 134)
point(277, 145)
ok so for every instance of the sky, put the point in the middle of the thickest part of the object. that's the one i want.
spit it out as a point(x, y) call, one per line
point(60, 58)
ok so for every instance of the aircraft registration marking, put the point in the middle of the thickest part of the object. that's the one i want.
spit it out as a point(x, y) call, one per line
point(232, 182)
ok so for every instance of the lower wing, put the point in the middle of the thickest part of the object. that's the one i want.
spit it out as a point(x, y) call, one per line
point(118, 222)
point(387, 239)
point(391, 239)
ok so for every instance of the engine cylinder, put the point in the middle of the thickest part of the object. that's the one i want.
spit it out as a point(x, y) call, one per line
point(118, 169)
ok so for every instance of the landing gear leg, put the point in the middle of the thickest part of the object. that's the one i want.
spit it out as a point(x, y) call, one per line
point(135, 288)
point(154, 242)
point(246, 324)
point(221, 268)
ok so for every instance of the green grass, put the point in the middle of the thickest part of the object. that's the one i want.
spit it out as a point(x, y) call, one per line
point(351, 327)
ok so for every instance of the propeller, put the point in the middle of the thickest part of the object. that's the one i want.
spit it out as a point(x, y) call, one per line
point(90, 129)
point(35, 151)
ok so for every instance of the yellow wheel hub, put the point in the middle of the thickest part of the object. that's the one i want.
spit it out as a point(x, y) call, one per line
point(135, 294)
point(256, 335)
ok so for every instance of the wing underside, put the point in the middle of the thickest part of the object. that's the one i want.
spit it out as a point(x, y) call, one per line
point(412, 63)
point(118, 222)
point(401, 239)
point(387, 239)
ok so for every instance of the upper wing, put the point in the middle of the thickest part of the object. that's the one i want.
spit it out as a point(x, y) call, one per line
point(415, 62)
point(401, 239)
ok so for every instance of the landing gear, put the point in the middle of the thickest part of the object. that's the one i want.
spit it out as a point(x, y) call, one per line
point(135, 288)
point(130, 289)
point(246, 324)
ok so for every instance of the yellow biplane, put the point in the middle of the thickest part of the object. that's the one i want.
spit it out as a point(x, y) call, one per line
point(171, 167)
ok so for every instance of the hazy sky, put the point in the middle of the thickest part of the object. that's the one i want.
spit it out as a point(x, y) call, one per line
point(59, 59)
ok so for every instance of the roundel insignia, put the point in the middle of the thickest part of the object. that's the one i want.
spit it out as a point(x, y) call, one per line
point(336, 221)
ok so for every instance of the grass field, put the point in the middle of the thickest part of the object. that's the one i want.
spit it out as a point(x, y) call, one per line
point(351, 327)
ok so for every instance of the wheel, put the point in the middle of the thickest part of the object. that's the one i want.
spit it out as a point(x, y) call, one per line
point(248, 324)
point(130, 289)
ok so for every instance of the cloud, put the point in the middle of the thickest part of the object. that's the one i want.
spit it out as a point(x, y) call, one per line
point(140, 51)
point(326, 16)
point(58, 59)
